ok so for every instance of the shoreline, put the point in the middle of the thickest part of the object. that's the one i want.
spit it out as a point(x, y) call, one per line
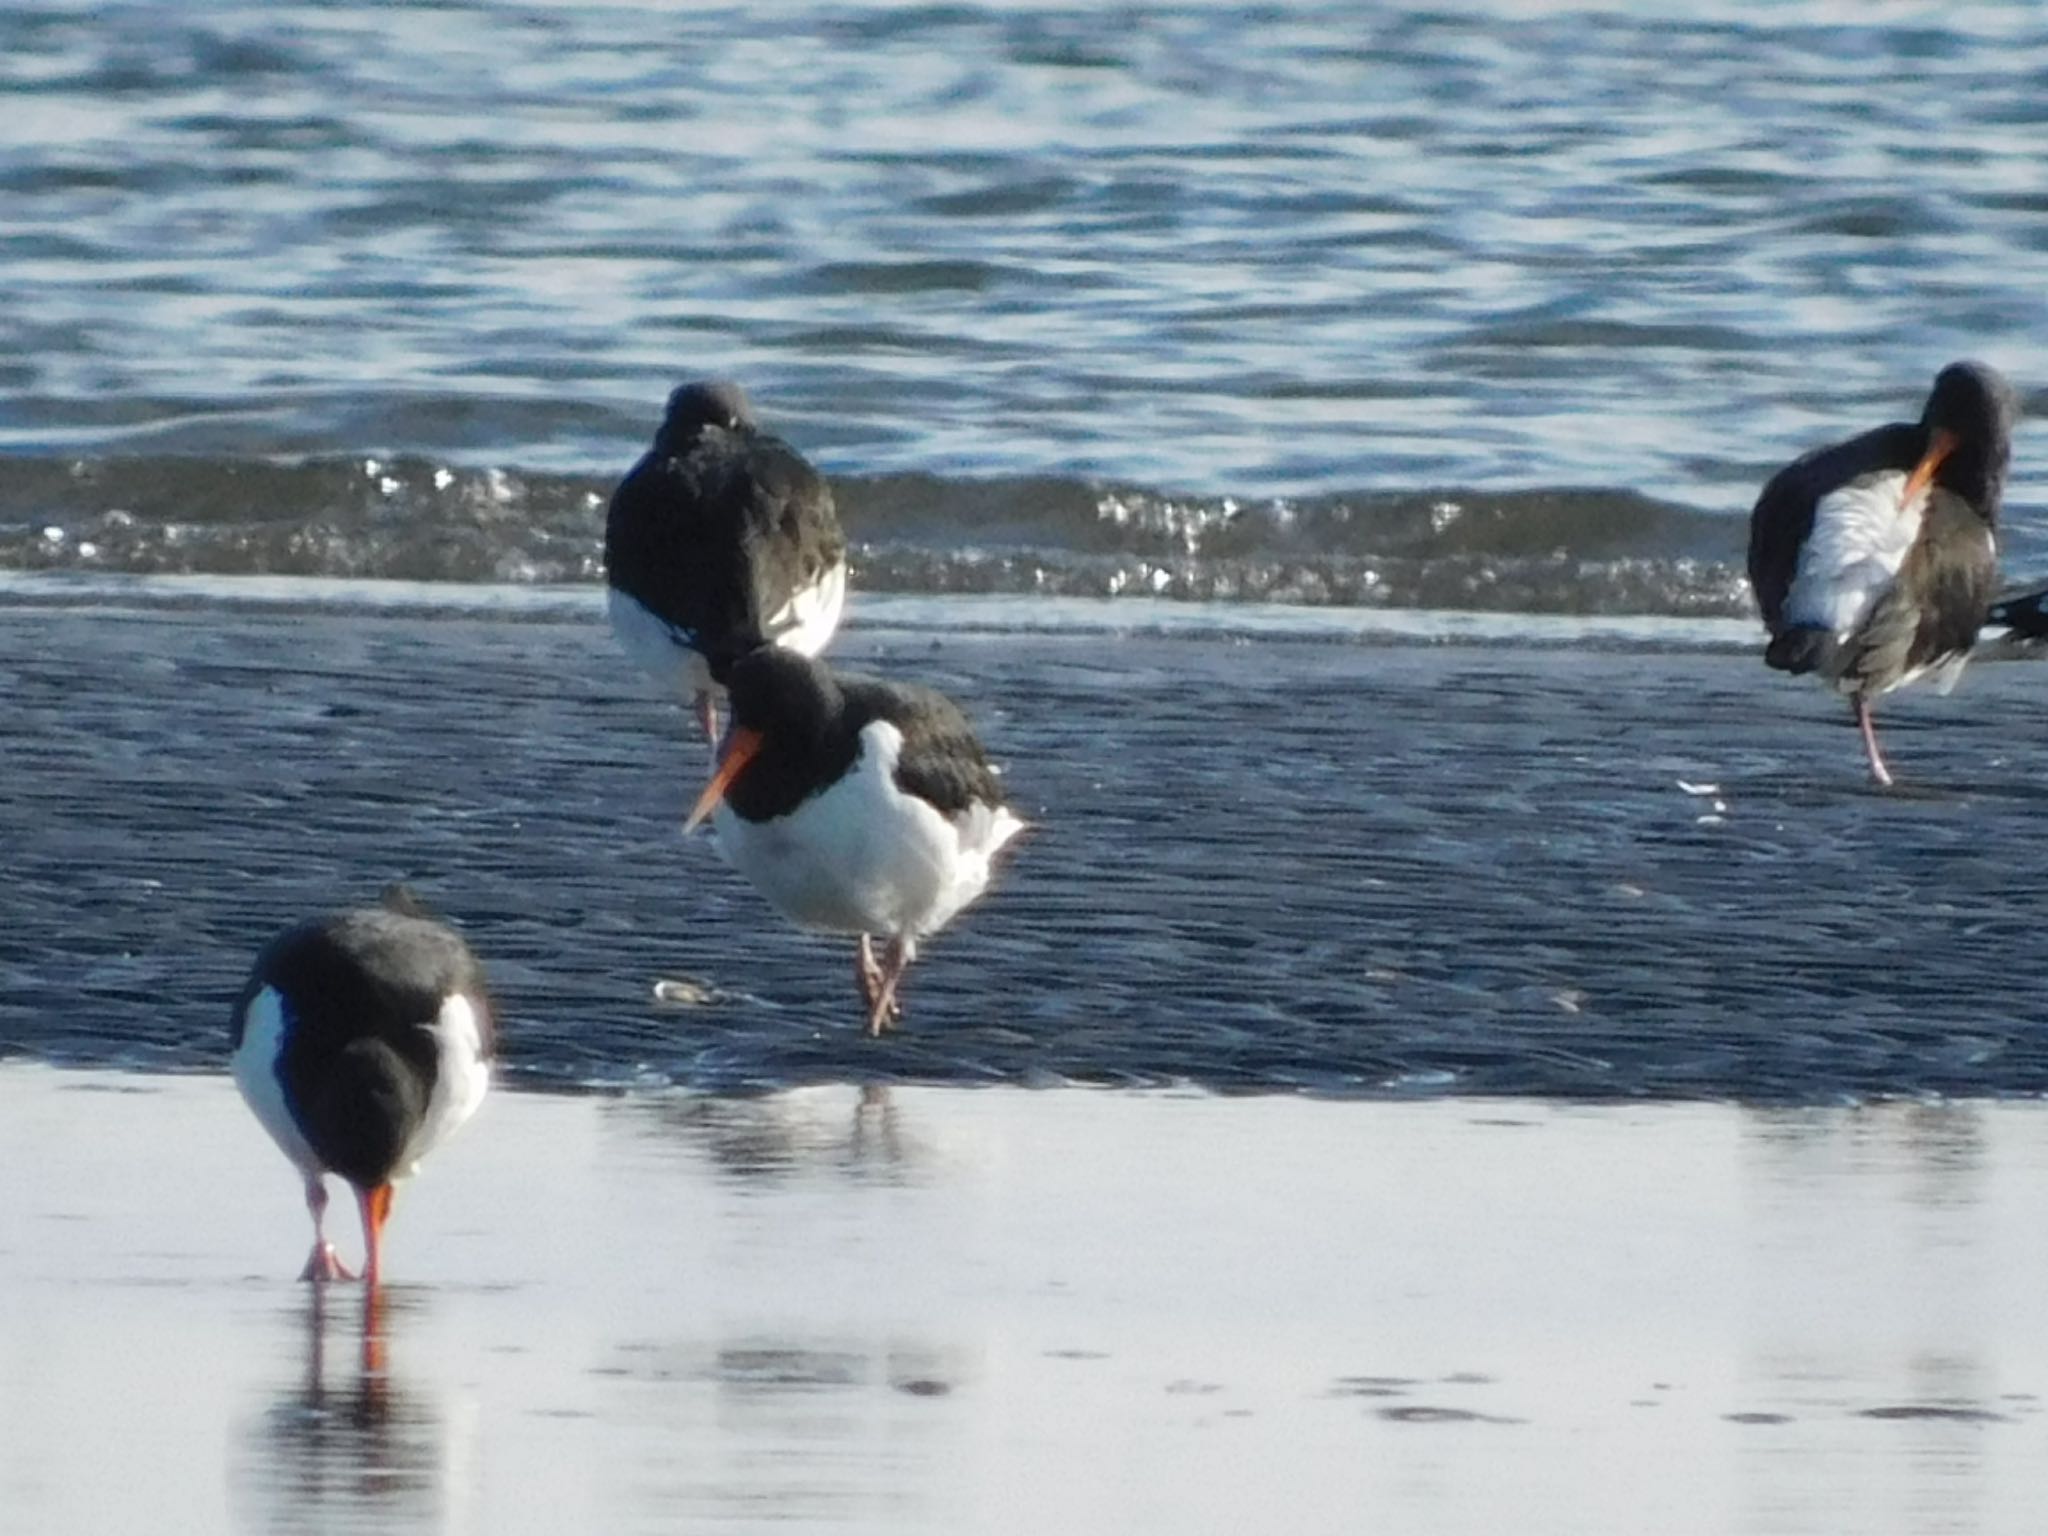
point(880, 614)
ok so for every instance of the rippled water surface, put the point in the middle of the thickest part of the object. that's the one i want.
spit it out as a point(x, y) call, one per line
point(1209, 254)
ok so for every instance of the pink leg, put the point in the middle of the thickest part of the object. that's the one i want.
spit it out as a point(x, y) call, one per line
point(884, 1011)
point(1878, 771)
point(866, 974)
point(323, 1263)
point(707, 718)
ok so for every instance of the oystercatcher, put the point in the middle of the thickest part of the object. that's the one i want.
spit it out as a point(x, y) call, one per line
point(1874, 560)
point(855, 806)
point(362, 1040)
point(719, 540)
point(2024, 616)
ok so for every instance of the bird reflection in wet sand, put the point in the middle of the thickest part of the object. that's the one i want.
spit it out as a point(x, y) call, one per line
point(783, 1134)
point(360, 1452)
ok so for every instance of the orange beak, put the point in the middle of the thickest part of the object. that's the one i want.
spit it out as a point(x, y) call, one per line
point(1939, 447)
point(740, 749)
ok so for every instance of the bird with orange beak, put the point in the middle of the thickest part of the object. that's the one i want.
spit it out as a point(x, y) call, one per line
point(363, 1040)
point(855, 806)
point(1874, 561)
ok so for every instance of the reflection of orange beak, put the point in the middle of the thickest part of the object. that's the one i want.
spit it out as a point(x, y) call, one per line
point(1939, 447)
point(740, 748)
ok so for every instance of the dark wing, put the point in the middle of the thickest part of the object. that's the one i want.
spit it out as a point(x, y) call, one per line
point(715, 540)
point(1783, 515)
point(674, 540)
point(1953, 569)
point(372, 971)
point(1937, 604)
point(791, 527)
point(942, 761)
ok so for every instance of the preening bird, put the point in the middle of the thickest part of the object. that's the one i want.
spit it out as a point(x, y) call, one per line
point(721, 539)
point(1874, 561)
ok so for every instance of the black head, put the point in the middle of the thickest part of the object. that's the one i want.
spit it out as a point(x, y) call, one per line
point(693, 407)
point(783, 695)
point(789, 736)
point(1973, 403)
point(1973, 400)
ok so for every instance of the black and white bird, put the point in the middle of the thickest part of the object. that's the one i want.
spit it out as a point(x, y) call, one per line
point(362, 1041)
point(722, 538)
point(2024, 618)
point(855, 806)
point(1874, 560)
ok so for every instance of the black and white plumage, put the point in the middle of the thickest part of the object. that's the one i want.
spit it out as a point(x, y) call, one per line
point(855, 806)
point(722, 538)
point(1873, 561)
point(2023, 615)
point(363, 1040)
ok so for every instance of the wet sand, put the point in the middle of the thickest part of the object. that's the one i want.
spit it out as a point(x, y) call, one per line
point(891, 1309)
point(1356, 868)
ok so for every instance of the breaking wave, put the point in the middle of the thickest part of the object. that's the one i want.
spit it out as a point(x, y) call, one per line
point(1559, 550)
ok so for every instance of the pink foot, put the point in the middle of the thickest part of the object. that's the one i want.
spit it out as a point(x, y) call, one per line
point(884, 1011)
point(324, 1264)
point(873, 989)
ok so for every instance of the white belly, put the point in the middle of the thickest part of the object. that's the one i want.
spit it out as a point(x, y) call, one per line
point(863, 856)
point(677, 670)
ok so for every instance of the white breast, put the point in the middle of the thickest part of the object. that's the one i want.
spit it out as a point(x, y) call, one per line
point(1851, 558)
point(865, 857)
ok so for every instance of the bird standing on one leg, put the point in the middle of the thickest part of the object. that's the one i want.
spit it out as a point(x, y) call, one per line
point(720, 539)
point(362, 1041)
point(855, 806)
point(1873, 561)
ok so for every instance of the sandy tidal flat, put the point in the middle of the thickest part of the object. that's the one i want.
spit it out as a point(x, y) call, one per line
point(839, 1309)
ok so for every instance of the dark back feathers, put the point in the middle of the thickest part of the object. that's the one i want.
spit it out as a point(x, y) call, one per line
point(810, 719)
point(357, 1068)
point(716, 527)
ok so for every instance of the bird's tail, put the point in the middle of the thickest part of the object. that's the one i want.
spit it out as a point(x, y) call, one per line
point(1804, 648)
point(2024, 613)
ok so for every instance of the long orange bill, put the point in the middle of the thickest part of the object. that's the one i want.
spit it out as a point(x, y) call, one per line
point(740, 749)
point(1939, 447)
